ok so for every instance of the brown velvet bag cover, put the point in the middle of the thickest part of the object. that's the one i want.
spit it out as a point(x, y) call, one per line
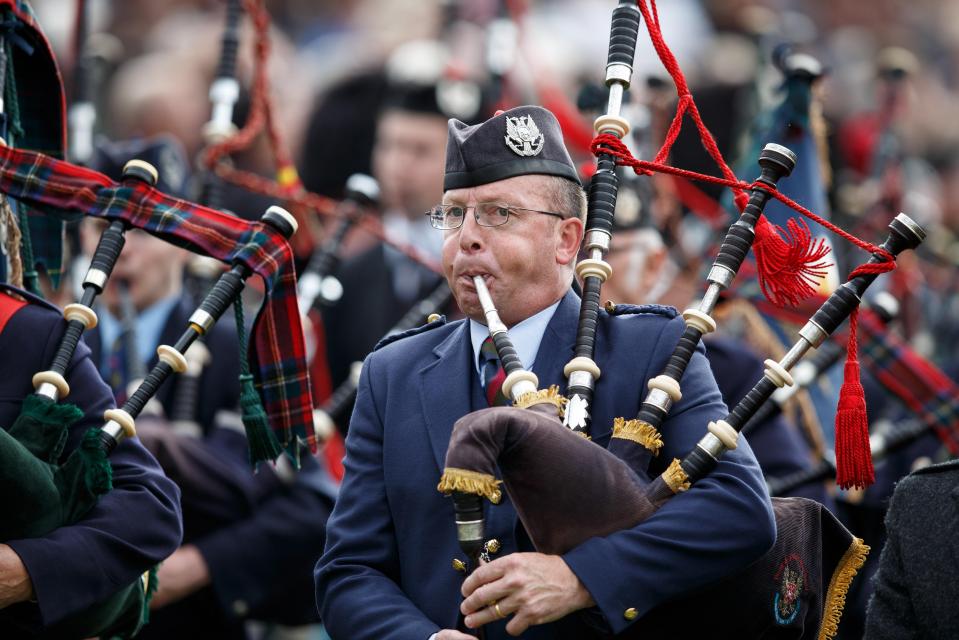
point(554, 476)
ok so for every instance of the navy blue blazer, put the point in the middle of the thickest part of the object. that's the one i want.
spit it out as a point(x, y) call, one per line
point(386, 571)
point(131, 528)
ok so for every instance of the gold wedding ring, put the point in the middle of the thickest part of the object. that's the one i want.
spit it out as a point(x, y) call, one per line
point(499, 614)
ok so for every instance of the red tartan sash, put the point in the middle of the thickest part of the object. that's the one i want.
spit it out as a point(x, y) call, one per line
point(277, 353)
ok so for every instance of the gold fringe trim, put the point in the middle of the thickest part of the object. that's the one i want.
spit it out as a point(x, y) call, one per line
point(675, 478)
point(543, 396)
point(480, 484)
point(638, 431)
point(850, 564)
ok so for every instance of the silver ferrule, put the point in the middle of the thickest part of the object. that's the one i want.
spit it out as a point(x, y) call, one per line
point(794, 355)
point(469, 530)
point(114, 430)
point(710, 298)
point(712, 445)
point(203, 320)
point(720, 275)
point(82, 116)
point(618, 76)
point(331, 289)
point(521, 388)
point(308, 288)
point(47, 390)
point(659, 399)
point(919, 232)
point(813, 333)
point(96, 277)
point(597, 240)
point(877, 445)
point(501, 38)
point(356, 370)
point(224, 92)
point(778, 148)
point(580, 378)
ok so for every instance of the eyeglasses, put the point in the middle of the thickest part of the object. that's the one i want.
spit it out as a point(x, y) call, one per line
point(487, 214)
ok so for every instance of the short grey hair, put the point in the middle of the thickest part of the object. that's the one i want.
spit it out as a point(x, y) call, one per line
point(567, 197)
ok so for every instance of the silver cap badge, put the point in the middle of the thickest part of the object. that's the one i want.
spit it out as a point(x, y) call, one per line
point(523, 136)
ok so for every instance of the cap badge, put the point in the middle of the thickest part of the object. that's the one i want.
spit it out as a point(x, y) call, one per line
point(523, 136)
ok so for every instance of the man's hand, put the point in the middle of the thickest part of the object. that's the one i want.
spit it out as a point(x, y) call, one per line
point(180, 575)
point(452, 634)
point(532, 587)
point(15, 583)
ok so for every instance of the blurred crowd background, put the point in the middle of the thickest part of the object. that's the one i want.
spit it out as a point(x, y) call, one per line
point(866, 93)
point(330, 62)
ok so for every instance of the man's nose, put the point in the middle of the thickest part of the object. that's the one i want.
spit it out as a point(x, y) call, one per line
point(472, 235)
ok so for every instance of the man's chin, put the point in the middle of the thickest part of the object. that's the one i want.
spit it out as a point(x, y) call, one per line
point(469, 304)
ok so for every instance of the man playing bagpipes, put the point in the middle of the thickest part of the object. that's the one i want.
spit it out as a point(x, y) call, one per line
point(512, 213)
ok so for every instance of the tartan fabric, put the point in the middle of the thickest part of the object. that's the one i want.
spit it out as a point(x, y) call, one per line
point(278, 355)
point(918, 383)
point(35, 94)
point(493, 374)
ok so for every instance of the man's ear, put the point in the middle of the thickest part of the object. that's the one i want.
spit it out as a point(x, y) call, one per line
point(569, 239)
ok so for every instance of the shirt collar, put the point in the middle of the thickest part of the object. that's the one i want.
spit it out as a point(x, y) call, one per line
point(149, 326)
point(525, 336)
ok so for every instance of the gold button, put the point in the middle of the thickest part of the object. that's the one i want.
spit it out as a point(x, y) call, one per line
point(493, 546)
point(433, 317)
point(630, 614)
point(459, 565)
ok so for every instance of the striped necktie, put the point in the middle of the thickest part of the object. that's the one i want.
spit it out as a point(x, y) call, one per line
point(493, 374)
point(117, 374)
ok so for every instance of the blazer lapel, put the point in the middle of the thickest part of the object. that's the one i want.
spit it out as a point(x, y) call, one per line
point(556, 348)
point(445, 389)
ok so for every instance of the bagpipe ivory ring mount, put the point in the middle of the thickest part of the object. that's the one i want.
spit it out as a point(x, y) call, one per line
point(81, 313)
point(122, 418)
point(582, 363)
point(591, 267)
point(53, 378)
point(518, 376)
point(699, 320)
point(172, 357)
point(725, 433)
point(777, 373)
point(667, 385)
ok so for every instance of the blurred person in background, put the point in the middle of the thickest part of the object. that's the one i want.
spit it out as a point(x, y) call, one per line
point(409, 151)
point(250, 538)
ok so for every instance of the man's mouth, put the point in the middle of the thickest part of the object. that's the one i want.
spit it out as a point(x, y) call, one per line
point(468, 276)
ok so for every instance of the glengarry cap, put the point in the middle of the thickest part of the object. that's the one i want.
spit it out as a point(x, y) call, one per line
point(522, 141)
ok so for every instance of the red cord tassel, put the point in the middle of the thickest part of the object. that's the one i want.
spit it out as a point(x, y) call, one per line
point(853, 454)
point(790, 267)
